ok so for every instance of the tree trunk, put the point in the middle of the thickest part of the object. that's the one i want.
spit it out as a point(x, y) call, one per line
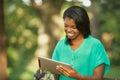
point(3, 61)
point(94, 19)
point(49, 32)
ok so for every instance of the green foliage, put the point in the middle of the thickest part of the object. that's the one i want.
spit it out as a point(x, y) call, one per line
point(21, 25)
point(109, 21)
point(114, 72)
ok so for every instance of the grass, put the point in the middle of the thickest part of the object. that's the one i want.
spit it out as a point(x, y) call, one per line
point(114, 72)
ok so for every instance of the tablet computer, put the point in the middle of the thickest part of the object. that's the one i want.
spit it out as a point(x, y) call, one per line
point(50, 65)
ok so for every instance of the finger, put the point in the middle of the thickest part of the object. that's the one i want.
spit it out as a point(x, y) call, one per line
point(68, 68)
point(63, 71)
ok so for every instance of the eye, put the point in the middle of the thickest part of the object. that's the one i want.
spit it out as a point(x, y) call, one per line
point(74, 27)
point(65, 25)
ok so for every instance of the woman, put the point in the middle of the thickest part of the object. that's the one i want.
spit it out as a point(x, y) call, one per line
point(84, 53)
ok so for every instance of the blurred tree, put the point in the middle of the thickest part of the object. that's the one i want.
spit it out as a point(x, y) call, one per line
point(21, 29)
point(49, 33)
point(109, 22)
point(3, 61)
point(94, 13)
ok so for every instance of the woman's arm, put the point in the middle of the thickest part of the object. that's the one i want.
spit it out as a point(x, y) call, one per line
point(98, 74)
point(70, 72)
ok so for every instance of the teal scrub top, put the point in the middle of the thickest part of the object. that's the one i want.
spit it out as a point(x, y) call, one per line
point(84, 59)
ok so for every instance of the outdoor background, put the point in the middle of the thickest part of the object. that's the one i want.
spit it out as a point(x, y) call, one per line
point(31, 28)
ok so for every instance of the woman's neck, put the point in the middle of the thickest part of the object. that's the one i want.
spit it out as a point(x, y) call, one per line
point(76, 42)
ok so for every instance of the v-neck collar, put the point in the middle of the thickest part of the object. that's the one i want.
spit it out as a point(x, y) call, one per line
point(80, 46)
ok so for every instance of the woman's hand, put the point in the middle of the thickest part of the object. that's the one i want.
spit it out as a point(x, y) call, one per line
point(68, 71)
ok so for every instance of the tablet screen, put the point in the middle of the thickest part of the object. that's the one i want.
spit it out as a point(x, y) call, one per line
point(50, 65)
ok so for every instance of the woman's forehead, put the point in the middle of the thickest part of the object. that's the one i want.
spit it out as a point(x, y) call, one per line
point(69, 21)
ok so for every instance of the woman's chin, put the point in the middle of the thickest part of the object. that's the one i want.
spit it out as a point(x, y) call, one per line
point(70, 37)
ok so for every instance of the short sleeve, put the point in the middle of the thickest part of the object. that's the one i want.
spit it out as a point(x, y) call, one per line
point(101, 57)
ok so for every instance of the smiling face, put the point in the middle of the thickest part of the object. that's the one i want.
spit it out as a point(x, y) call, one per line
point(71, 29)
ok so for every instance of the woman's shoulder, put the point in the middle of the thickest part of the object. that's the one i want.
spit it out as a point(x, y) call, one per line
point(93, 40)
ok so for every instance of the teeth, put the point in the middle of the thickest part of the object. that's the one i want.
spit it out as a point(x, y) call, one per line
point(69, 34)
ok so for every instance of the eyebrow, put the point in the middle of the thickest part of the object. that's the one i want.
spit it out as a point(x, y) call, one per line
point(72, 25)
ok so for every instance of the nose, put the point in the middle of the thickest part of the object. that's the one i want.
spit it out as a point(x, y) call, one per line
point(69, 29)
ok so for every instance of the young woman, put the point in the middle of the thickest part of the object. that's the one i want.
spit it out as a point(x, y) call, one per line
point(85, 54)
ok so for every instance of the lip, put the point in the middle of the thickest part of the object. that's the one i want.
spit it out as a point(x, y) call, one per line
point(70, 34)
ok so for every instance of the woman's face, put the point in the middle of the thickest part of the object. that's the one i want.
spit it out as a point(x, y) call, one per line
point(71, 29)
